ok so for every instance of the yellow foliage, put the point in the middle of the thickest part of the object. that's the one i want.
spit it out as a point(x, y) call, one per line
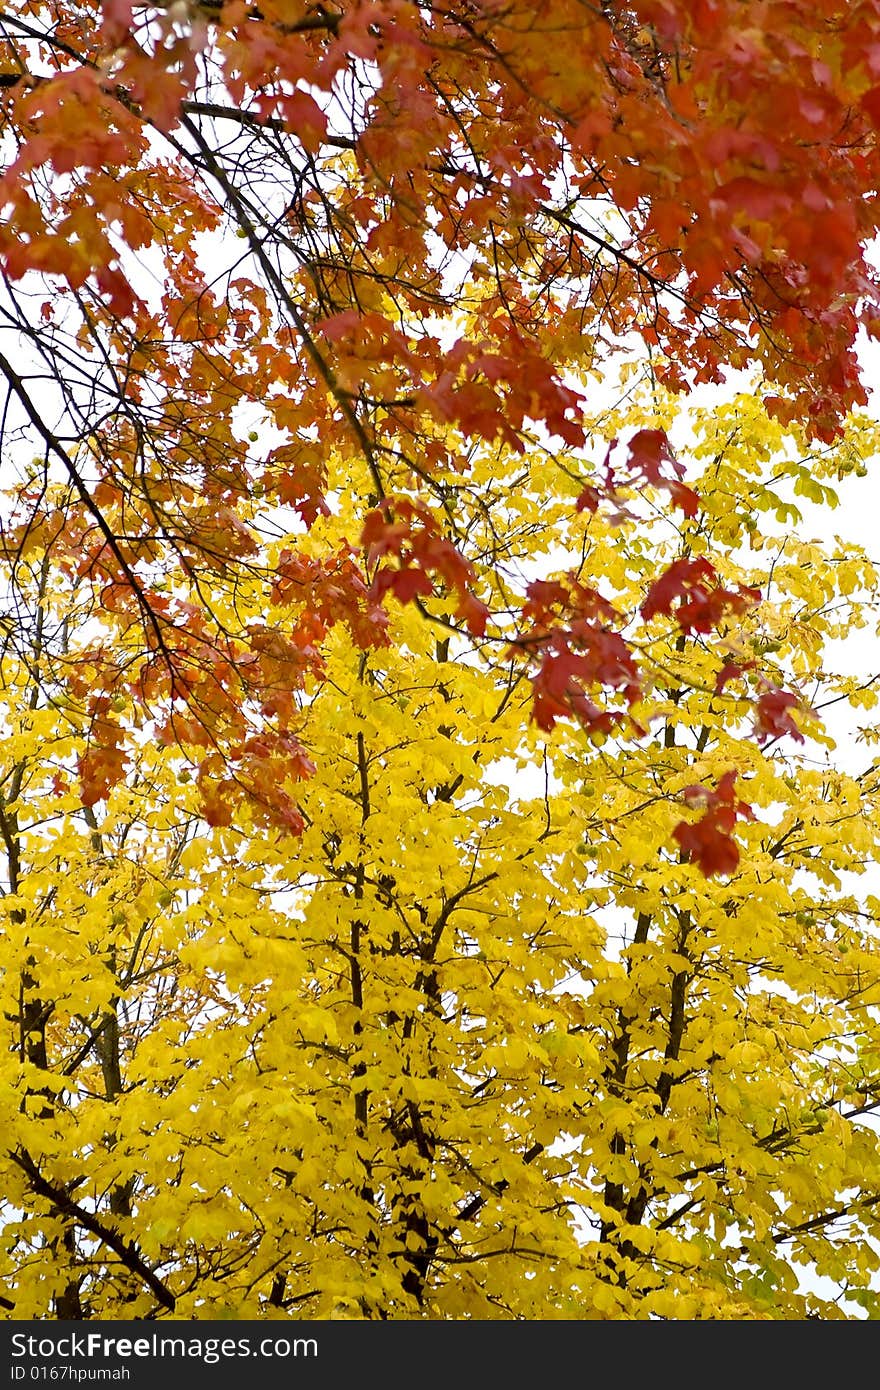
point(477, 1043)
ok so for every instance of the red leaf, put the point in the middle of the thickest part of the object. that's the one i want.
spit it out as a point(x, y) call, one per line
point(684, 579)
point(588, 501)
point(703, 603)
point(683, 497)
point(708, 842)
point(650, 454)
point(649, 450)
point(215, 810)
point(338, 325)
point(473, 613)
point(871, 104)
point(116, 20)
point(772, 715)
point(304, 117)
point(103, 763)
point(405, 584)
point(731, 671)
point(710, 848)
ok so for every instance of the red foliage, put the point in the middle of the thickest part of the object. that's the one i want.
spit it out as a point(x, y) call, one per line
point(731, 671)
point(409, 531)
point(772, 715)
point(709, 842)
point(702, 602)
point(578, 652)
point(651, 456)
point(103, 763)
point(418, 274)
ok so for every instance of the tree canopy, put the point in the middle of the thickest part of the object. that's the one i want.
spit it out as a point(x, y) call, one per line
point(430, 887)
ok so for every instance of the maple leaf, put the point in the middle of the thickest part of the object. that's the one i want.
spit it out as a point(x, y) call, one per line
point(702, 601)
point(116, 20)
point(547, 599)
point(709, 845)
point(103, 763)
point(587, 500)
point(650, 456)
point(575, 659)
point(297, 477)
point(406, 583)
point(709, 842)
point(732, 670)
point(410, 532)
point(773, 715)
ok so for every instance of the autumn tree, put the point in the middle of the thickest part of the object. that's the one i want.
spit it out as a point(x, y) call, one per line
point(323, 516)
point(469, 1044)
point(439, 218)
